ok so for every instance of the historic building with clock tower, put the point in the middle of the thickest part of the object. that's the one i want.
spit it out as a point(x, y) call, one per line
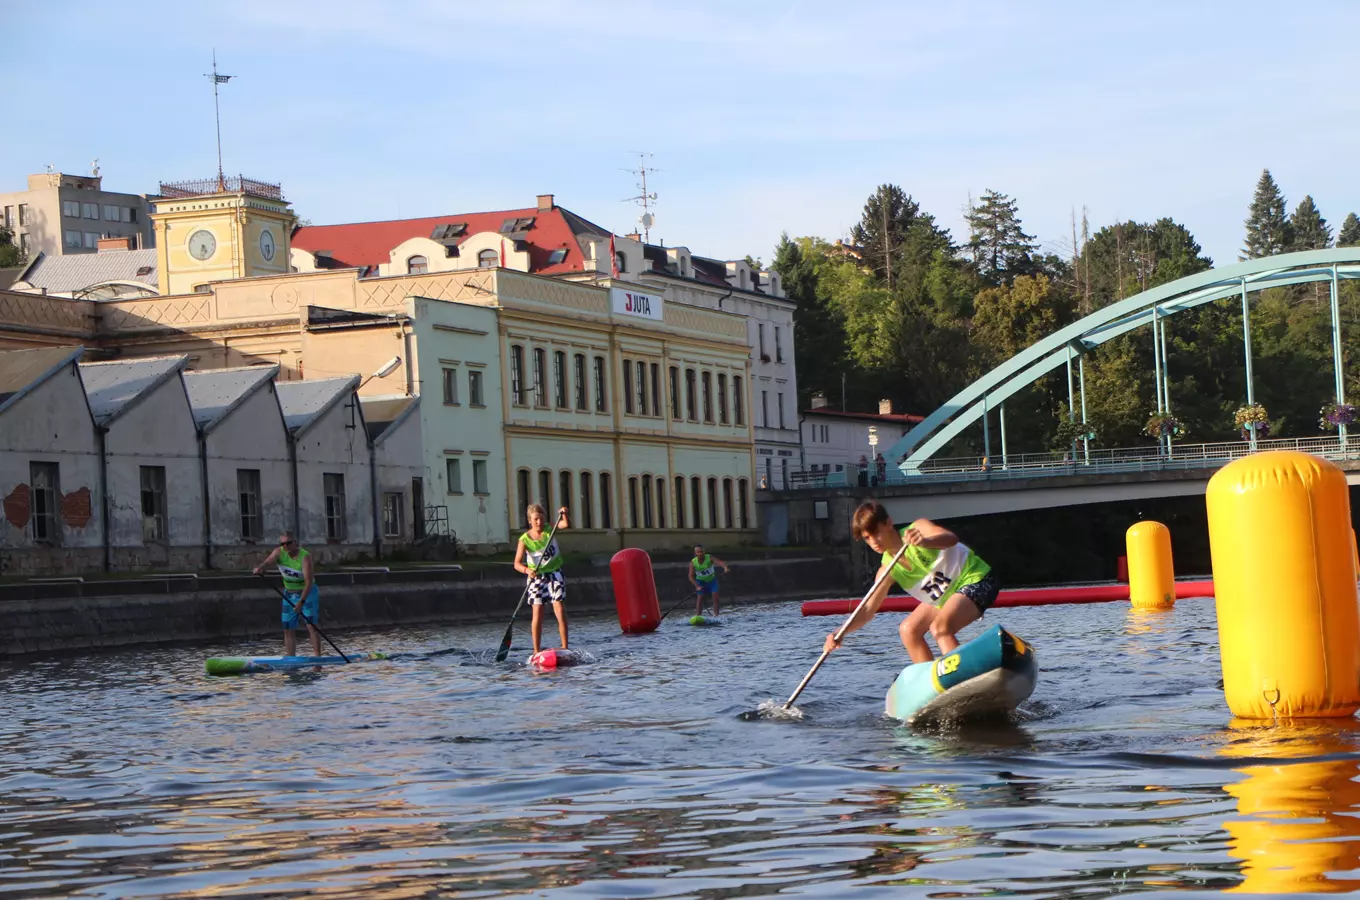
point(219, 229)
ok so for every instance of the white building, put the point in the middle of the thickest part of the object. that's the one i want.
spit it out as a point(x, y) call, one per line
point(836, 443)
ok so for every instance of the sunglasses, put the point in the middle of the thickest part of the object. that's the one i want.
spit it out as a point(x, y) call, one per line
point(287, 543)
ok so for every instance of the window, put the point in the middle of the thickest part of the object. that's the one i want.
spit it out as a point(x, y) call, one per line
point(765, 408)
point(153, 503)
point(712, 503)
point(628, 386)
point(70, 208)
point(661, 503)
point(738, 410)
point(601, 394)
point(606, 502)
point(90, 210)
point(23, 213)
point(769, 472)
point(480, 484)
point(488, 259)
point(46, 490)
point(540, 390)
point(646, 501)
point(9, 216)
point(564, 489)
point(633, 502)
point(722, 398)
point(621, 262)
point(91, 240)
point(642, 388)
point(111, 213)
point(696, 503)
point(778, 347)
point(545, 491)
point(73, 239)
point(418, 508)
point(23, 244)
point(675, 393)
point(784, 472)
point(450, 387)
point(517, 375)
point(760, 330)
point(779, 401)
point(394, 519)
point(248, 494)
point(656, 390)
point(742, 513)
point(522, 492)
point(560, 379)
point(129, 214)
point(582, 389)
point(335, 506)
point(557, 256)
point(417, 265)
point(453, 471)
point(727, 503)
point(587, 502)
point(690, 412)
point(475, 388)
point(679, 501)
point(706, 379)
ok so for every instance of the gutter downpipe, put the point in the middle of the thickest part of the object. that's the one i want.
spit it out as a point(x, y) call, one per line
point(297, 512)
point(207, 506)
point(373, 489)
point(102, 432)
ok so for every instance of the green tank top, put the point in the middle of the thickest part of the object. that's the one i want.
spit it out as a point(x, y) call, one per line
point(290, 567)
point(935, 575)
point(704, 571)
point(541, 555)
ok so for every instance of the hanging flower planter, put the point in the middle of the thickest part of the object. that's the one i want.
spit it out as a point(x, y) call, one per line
point(1334, 415)
point(1162, 425)
point(1252, 419)
point(1068, 431)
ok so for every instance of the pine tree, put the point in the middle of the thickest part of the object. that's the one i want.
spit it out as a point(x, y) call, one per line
point(1267, 226)
point(818, 328)
point(888, 216)
point(1309, 231)
point(1350, 232)
point(998, 245)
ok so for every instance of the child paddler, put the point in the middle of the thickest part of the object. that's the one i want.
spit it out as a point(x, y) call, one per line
point(299, 589)
point(952, 582)
point(538, 557)
point(703, 575)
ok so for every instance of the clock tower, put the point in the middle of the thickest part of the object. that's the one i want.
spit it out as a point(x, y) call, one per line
point(219, 229)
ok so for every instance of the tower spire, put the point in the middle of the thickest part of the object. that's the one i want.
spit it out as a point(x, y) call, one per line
point(217, 112)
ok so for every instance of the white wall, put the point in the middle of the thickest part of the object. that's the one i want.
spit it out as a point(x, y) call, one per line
point(336, 443)
point(252, 436)
point(399, 455)
point(837, 441)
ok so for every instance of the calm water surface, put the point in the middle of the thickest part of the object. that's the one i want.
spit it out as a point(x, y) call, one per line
point(132, 774)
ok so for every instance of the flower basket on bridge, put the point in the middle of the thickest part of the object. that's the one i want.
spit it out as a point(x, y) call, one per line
point(1068, 432)
point(1252, 418)
point(1334, 415)
point(1162, 425)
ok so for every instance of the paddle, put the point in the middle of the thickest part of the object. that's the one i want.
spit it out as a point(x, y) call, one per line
point(298, 609)
point(504, 650)
point(676, 606)
point(840, 632)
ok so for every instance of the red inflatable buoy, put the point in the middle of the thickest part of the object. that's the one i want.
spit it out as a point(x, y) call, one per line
point(635, 591)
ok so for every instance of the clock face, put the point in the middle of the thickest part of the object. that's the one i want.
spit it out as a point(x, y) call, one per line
point(202, 244)
point(267, 245)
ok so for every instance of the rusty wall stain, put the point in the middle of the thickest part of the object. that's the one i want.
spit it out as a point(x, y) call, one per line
point(75, 508)
point(18, 506)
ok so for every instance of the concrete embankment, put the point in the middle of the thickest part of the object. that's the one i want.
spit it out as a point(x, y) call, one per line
point(44, 617)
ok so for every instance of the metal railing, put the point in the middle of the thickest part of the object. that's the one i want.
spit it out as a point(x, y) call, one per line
point(231, 184)
point(1098, 462)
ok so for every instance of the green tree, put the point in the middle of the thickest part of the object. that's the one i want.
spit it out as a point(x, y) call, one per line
point(887, 217)
point(10, 255)
point(1308, 230)
point(999, 247)
point(818, 325)
point(1268, 229)
point(1350, 232)
point(1123, 259)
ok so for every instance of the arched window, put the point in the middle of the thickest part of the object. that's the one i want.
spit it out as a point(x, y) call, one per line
point(742, 499)
point(522, 478)
point(621, 262)
point(647, 501)
point(585, 517)
point(488, 259)
point(545, 492)
point(727, 502)
point(564, 492)
point(696, 502)
point(713, 503)
point(679, 499)
point(606, 502)
point(417, 265)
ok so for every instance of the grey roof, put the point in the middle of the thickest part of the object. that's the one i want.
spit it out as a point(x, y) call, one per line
point(216, 392)
point(383, 414)
point(113, 387)
point(23, 370)
point(303, 402)
point(75, 272)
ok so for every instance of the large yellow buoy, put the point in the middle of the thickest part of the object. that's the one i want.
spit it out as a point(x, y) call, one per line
point(1284, 584)
point(1152, 577)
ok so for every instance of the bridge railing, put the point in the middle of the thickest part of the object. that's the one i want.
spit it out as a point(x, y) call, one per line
point(1040, 465)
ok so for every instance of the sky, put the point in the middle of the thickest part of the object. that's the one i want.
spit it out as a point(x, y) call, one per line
point(759, 117)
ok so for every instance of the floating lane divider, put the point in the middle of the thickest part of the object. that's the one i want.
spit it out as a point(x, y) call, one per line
point(1100, 593)
point(247, 665)
point(989, 676)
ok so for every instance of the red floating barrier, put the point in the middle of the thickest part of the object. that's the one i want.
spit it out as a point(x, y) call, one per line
point(635, 591)
point(1097, 593)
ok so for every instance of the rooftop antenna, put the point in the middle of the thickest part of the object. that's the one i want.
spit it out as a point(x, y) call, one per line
point(94, 168)
point(217, 111)
point(643, 199)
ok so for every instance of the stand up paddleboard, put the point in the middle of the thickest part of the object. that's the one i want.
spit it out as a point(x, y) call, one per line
point(989, 676)
point(555, 659)
point(704, 620)
point(246, 665)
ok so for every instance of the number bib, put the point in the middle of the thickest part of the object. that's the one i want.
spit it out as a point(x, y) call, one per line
point(934, 575)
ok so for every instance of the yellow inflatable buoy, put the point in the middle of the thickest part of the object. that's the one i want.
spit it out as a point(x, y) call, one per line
point(1152, 577)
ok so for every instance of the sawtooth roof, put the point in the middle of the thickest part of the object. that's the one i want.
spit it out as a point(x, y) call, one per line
point(304, 402)
point(114, 387)
point(214, 393)
point(21, 371)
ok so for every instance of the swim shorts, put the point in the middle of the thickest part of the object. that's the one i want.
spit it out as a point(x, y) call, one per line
point(310, 607)
point(707, 587)
point(543, 588)
point(982, 593)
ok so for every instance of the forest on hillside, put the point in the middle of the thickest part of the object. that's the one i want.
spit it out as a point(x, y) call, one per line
point(904, 312)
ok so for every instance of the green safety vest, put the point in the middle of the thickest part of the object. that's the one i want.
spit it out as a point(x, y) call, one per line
point(290, 567)
point(935, 575)
point(704, 571)
point(541, 555)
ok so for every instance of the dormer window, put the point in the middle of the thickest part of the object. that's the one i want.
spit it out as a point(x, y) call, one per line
point(488, 259)
point(741, 279)
point(417, 265)
point(557, 256)
point(621, 262)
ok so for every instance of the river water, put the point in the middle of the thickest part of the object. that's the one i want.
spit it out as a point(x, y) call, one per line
point(132, 774)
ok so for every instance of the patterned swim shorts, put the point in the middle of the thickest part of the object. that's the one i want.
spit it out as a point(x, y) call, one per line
point(543, 588)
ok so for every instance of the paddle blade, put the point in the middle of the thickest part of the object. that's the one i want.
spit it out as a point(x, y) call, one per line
point(504, 651)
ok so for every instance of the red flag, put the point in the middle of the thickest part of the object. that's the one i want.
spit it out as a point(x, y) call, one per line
point(613, 259)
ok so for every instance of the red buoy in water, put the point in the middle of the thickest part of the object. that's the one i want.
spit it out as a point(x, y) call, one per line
point(635, 591)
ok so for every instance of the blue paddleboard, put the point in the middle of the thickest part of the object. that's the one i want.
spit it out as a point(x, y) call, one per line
point(990, 675)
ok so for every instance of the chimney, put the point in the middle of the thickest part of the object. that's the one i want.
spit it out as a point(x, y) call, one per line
point(109, 244)
point(819, 400)
point(634, 237)
point(885, 407)
point(545, 202)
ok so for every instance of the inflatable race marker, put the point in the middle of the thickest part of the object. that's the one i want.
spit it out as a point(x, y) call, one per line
point(989, 676)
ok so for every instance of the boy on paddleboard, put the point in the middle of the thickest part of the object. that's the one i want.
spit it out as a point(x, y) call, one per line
point(703, 576)
point(952, 582)
point(538, 557)
point(299, 589)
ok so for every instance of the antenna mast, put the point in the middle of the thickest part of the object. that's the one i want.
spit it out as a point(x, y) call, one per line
point(643, 199)
point(217, 111)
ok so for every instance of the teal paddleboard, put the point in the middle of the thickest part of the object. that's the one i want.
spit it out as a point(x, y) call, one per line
point(245, 665)
point(990, 675)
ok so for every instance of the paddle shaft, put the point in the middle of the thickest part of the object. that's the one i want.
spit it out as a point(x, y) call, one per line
point(297, 608)
point(676, 606)
point(504, 650)
point(840, 632)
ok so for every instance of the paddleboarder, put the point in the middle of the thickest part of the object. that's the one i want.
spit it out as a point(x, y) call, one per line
point(299, 588)
point(955, 586)
point(539, 558)
point(703, 576)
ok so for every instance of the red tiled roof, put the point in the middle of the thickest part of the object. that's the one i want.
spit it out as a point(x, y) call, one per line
point(370, 243)
point(903, 418)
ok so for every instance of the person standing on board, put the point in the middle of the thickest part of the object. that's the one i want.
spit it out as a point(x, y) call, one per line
point(299, 589)
point(954, 586)
point(538, 557)
point(704, 578)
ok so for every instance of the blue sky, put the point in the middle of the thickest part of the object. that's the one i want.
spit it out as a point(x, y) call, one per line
point(761, 117)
